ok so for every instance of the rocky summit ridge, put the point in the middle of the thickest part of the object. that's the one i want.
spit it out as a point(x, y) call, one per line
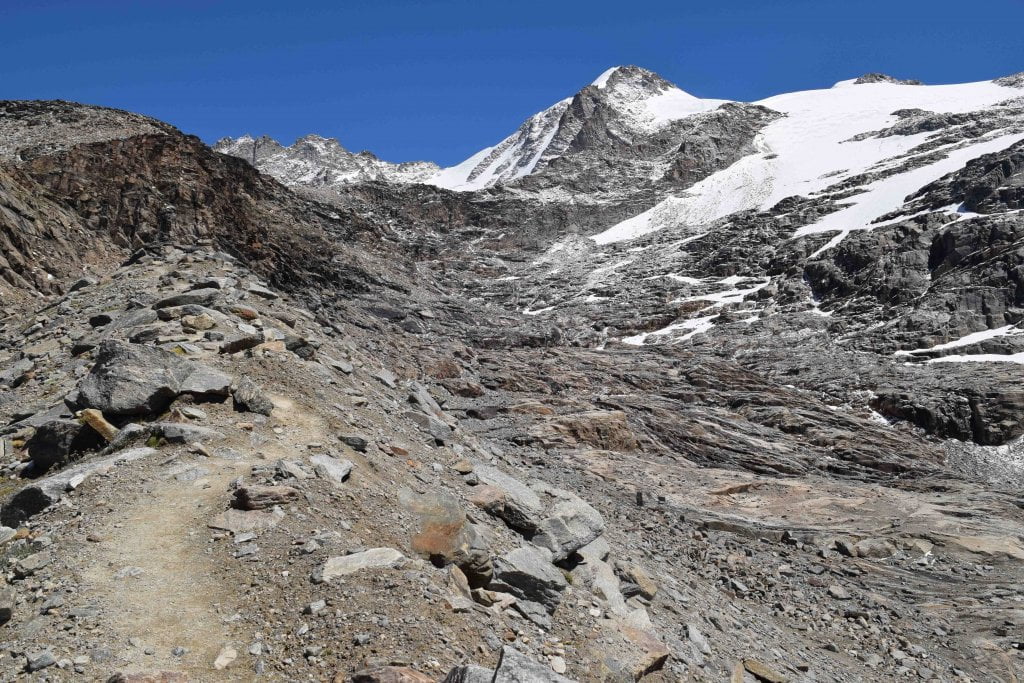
point(657, 388)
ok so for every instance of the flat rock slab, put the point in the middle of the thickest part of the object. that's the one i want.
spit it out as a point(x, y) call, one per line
point(374, 558)
point(245, 521)
point(44, 492)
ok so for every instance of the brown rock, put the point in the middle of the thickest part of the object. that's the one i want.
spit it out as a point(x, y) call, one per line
point(605, 429)
point(389, 674)
point(763, 672)
point(95, 419)
point(149, 677)
point(263, 497)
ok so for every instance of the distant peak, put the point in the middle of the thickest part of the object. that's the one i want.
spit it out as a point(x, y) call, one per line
point(1012, 81)
point(885, 78)
point(602, 80)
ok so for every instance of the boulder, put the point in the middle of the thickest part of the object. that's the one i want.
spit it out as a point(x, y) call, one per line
point(129, 379)
point(55, 442)
point(527, 573)
point(390, 674)
point(571, 524)
point(509, 499)
point(200, 297)
point(515, 667)
point(175, 432)
point(250, 398)
point(438, 430)
point(332, 469)
point(205, 382)
point(469, 674)
point(445, 536)
point(42, 493)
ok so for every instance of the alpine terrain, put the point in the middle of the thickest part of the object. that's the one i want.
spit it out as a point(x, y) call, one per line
point(657, 387)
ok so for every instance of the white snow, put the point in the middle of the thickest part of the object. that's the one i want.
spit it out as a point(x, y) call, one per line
point(538, 311)
point(810, 149)
point(728, 296)
point(602, 80)
point(887, 195)
point(967, 340)
point(982, 358)
point(695, 325)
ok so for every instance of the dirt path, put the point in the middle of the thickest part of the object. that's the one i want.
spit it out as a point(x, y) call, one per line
point(180, 598)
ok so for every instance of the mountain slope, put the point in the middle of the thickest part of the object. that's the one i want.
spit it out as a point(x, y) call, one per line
point(399, 430)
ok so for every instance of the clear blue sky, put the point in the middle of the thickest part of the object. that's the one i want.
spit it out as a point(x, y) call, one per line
point(425, 79)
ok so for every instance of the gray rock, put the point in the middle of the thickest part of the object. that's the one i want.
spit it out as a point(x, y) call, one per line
point(176, 432)
point(571, 525)
point(438, 430)
point(698, 639)
point(356, 443)
point(534, 611)
point(201, 297)
point(55, 442)
point(385, 377)
point(263, 497)
point(521, 507)
point(39, 660)
point(128, 379)
point(262, 292)
point(44, 492)
point(332, 469)
point(374, 558)
point(528, 574)
point(515, 667)
point(250, 398)
point(8, 599)
point(242, 342)
point(205, 381)
point(469, 674)
point(29, 565)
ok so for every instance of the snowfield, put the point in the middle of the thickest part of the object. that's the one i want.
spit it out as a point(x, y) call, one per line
point(811, 148)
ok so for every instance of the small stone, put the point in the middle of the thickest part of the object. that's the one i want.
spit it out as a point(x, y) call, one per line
point(315, 607)
point(225, 657)
point(838, 592)
point(40, 660)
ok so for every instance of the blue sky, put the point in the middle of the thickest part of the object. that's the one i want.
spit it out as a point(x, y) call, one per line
point(438, 80)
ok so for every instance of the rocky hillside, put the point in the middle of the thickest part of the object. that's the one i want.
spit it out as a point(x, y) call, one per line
point(390, 431)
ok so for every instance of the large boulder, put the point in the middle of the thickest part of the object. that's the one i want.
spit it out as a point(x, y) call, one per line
point(374, 558)
point(249, 398)
point(571, 524)
point(515, 667)
point(445, 536)
point(57, 441)
point(129, 379)
point(509, 499)
point(528, 574)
